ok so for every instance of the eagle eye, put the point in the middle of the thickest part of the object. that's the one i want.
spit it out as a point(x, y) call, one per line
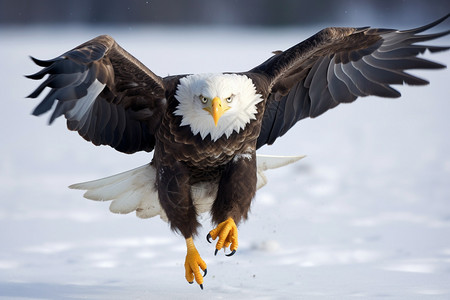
point(203, 99)
point(230, 99)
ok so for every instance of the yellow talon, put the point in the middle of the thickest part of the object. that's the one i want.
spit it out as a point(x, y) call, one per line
point(192, 264)
point(228, 236)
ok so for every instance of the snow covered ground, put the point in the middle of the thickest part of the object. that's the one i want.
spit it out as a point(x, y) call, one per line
point(366, 214)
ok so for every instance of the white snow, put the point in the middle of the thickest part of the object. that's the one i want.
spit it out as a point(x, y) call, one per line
point(366, 214)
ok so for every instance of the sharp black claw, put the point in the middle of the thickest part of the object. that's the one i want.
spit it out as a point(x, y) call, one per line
point(215, 252)
point(206, 272)
point(208, 237)
point(190, 282)
point(201, 286)
point(231, 254)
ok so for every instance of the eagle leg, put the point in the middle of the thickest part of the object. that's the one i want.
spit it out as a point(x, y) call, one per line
point(228, 236)
point(192, 264)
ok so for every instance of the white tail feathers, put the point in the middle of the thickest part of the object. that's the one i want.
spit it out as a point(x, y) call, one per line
point(135, 190)
point(267, 162)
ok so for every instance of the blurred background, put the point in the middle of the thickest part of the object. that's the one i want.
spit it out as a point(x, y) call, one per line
point(366, 214)
point(218, 12)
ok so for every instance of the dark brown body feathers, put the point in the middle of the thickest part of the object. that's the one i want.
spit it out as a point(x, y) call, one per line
point(184, 159)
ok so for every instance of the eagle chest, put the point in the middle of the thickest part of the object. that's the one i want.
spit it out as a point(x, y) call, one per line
point(204, 159)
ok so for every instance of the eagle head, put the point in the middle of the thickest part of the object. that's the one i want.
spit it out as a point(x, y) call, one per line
point(216, 104)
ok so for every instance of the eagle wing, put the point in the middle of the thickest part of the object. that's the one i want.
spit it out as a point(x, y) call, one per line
point(335, 66)
point(105, 94)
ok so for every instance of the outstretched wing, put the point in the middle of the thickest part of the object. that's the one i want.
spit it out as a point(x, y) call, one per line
point(335, 66)
point(105, 94)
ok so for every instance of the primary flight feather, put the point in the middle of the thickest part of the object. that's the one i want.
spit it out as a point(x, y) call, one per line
point(205, 128)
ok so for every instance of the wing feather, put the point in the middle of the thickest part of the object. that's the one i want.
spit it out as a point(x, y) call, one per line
point(101, 90)
point(321, 98)
point(337, 87)
point(338, 65)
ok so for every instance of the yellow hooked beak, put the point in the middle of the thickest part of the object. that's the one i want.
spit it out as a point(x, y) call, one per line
point(217, 109)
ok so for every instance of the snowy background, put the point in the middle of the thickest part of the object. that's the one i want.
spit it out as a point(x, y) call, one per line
point(366, 214)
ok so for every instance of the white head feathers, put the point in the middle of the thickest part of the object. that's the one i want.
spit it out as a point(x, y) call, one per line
point(242, 108)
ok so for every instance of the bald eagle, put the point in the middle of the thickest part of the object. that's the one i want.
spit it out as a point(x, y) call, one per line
point(205, 129)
